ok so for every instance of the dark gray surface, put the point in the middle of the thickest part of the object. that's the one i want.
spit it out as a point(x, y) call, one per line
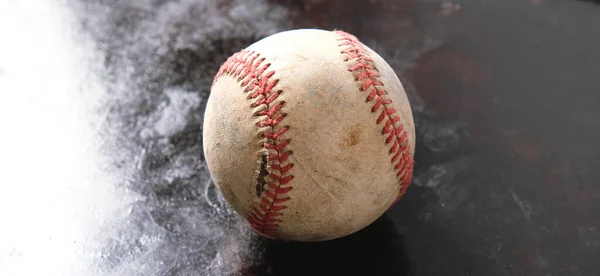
point(101, 110)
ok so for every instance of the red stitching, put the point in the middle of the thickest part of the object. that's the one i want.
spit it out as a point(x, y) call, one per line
point(368, 77)
point(252, 72)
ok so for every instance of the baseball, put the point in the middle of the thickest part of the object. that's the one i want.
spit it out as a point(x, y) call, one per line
point(308, 134)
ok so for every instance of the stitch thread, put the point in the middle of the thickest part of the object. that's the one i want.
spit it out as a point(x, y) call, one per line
point(368, 77)
point(251, 72)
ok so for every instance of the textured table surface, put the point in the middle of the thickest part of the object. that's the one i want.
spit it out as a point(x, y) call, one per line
point(101, 107)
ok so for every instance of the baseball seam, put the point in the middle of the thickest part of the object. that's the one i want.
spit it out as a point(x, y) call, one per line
point(367, 76)
point(251, 72)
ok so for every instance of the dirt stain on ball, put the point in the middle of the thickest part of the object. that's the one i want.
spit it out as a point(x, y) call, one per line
point(352, 136)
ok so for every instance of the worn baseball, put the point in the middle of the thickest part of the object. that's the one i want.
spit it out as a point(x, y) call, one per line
point(308, 134)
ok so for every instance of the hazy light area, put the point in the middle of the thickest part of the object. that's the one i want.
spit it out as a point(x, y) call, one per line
point(78, 195)
point(54, 195)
